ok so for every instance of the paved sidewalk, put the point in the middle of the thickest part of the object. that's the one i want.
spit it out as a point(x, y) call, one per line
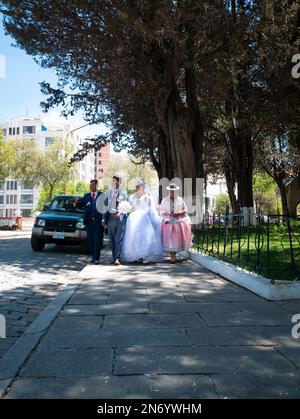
point(29, 281)
point(14, 233)
point(158, 331)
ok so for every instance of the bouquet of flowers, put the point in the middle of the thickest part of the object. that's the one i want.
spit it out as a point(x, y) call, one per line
point(124, 207)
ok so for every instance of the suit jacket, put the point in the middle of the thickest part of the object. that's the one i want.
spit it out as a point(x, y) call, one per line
point(90, 210)
point(122, 195)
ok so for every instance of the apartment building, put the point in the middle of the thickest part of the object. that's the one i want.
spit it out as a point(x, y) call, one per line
point(18, 197)
point(102, 159)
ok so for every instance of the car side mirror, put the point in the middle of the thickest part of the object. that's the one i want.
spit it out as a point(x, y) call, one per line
point(45, 207)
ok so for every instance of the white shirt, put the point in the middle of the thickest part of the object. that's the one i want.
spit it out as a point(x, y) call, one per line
point(114, 197)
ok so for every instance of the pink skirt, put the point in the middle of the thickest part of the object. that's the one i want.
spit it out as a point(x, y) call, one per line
point(176, 237)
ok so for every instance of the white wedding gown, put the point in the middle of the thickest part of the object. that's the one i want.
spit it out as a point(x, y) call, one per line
point(142, 237)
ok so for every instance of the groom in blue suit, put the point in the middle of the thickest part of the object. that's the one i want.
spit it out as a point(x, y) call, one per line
point(92, 219)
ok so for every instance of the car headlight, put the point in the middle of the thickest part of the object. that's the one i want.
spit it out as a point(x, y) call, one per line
point(80, 225)
point(41, 223)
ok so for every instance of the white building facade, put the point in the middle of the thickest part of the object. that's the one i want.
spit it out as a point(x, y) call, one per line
point(21, 198)
point(214, 188)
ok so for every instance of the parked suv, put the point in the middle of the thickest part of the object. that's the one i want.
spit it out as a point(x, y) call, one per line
point(60, 223)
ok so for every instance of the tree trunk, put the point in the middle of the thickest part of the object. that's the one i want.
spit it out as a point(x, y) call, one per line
point(283, 195)
point(51, 188)
point(177, 129)
point(245, 175)
point(165, 157)
point(230, 182)
point(180, 134)
point(192, 100)
point(242, 152)
point(293, 196)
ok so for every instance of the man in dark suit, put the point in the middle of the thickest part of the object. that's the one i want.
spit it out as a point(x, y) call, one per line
point(93, 221)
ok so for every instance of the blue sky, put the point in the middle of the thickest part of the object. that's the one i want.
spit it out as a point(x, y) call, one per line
point(20, 90)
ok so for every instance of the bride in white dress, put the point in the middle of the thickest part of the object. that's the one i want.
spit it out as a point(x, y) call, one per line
point(142, 237)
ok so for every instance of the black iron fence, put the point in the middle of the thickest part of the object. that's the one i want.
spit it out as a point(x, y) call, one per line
point(269, 246)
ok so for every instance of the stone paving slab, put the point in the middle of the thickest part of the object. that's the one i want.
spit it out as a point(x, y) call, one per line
point(292, 306)
point(244, 318)
point(68, 363)
point(104, 309)
point(291, 351)
point(3, 386)
point(114, 338)
point(211, 295)
point(91, 298)
point(68, 323)
point(112, 387)
point(200, 360)
point(240, 335)
point(264, 308)
point(208, 307)
point(268, 386)
point(179, 320)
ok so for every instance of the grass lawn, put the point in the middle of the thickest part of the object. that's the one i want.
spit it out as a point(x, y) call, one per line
point(242, 249)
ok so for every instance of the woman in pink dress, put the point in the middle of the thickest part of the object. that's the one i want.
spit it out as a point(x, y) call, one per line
point(176, 224)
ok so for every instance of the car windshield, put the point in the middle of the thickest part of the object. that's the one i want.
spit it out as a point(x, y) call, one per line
point(65, 204)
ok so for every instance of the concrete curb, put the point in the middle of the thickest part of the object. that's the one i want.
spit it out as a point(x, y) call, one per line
point(277, 291)
point(11, 236)
point(13, 360)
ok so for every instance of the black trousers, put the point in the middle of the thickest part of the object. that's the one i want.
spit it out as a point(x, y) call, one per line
point(94, 231)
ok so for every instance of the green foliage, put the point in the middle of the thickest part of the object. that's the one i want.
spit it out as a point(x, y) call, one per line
point(49, 168)
point(264, 191)
point(221, 203)
point(71, 188)
point(129, 169)
point(7, 157)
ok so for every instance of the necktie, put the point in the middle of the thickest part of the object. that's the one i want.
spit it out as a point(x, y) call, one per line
point(114, 200)
point(93, 195)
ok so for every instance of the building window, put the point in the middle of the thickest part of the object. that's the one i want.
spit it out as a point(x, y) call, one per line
point(9, 213)
point(1, 199)
point(99, 162)
point(26, 199)
point(15, 199)
point(1, 213)
point(26, 212)
point(11, 185)
point(14, 131)
point(10, 131)
point(27, 184)
point(29, 130)
point(7, 199)
point(18, 131)
point(100, 170)
point(2, 185)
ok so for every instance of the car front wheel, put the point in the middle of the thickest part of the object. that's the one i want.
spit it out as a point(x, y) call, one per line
point(37, 244)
